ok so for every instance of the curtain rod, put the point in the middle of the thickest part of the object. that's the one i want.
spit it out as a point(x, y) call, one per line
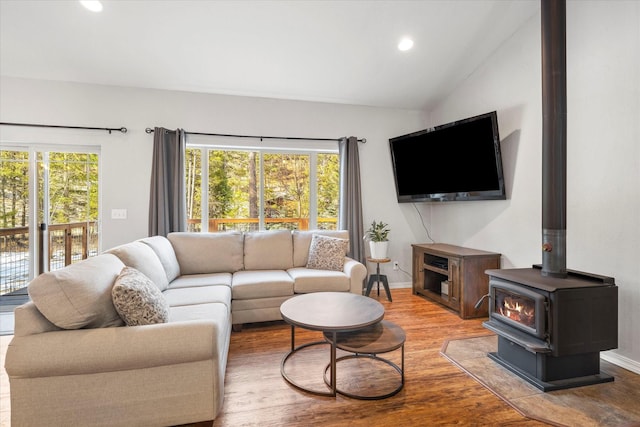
point(363, 140)
point(122, 129)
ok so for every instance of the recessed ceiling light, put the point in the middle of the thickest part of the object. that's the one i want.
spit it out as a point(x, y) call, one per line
point(405, 44)
point(92, 5)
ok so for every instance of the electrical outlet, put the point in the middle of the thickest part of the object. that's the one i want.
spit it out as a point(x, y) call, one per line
point(395, 265)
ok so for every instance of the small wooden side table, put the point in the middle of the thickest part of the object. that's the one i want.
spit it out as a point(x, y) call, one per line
point(378, 278)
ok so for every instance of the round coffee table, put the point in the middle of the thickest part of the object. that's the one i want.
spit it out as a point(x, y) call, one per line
point(330, 313)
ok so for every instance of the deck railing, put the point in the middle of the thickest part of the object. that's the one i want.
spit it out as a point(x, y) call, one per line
point(252, 224)
point(14, 259)
point(68, 243)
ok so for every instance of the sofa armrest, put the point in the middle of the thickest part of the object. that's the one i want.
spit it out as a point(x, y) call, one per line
point(357, 273)
point(84, 351)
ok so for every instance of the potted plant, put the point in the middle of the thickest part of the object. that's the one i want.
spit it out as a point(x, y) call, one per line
point(378, 234)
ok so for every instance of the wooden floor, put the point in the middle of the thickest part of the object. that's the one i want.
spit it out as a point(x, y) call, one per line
point(436, 392)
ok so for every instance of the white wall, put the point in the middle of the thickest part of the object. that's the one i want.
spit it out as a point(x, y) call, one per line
point(126, 159)
point(603, 201)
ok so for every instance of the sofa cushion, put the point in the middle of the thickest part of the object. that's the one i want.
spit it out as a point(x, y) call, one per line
point(327, 253)
point(138, 300)
point(261, 284)
point(199, 253)
point(257, 304)
point(79, 295)
point(198, 295)
point(302, 241)
point(167, 256)
point(268, 250)
point(257, 310)
point(209, 279)
point(218, 313)
point(308, 280)
point(144, 259)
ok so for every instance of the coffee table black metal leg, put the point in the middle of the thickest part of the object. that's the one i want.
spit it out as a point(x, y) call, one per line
point(332, 363)
point(334, 382)
point(371, 356)
point(293, 337)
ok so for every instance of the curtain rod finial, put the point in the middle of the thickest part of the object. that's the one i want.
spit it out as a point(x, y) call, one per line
point(148, 130)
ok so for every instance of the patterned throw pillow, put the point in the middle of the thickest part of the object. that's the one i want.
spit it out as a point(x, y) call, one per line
point(138, 300)
point(327, 253)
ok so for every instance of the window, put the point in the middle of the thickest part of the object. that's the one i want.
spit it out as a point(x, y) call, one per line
point(260, 189)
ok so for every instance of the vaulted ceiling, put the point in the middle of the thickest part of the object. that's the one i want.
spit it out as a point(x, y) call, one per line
point(327, 51)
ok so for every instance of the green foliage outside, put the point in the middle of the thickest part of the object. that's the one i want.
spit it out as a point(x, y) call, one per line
point(328, 185)
point(235, 182)
point(14, 184)
point(73, 187)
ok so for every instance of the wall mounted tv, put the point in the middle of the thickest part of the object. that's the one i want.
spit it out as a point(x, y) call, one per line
point(460, 160)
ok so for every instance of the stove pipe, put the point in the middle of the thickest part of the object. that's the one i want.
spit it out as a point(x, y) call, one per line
point(554, 138)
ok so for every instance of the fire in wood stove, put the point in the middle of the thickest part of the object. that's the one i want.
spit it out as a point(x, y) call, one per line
point(517, 308)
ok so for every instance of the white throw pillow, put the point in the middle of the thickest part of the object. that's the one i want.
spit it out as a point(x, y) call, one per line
point(327, 253)
point(138, 300)
point(144, 259)
point(302, 241)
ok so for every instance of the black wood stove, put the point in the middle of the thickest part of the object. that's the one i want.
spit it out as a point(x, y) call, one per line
point(552, 322)
point(551, 330)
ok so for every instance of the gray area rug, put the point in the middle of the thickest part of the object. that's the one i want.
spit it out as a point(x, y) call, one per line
point(610, 404)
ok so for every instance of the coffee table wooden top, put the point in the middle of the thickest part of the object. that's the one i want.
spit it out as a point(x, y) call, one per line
point(331, 311)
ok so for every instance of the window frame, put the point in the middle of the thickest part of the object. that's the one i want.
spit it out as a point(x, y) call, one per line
point(312, 149)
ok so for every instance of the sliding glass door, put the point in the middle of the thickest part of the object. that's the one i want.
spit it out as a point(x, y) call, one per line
point(49, 213)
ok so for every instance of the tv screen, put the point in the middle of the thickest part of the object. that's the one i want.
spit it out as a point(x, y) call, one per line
point(455, 161)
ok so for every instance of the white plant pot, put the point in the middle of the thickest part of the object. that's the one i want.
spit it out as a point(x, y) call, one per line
point(378, 249)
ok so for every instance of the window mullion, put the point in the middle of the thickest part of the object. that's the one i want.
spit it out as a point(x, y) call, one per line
point(313, 191)
point(204, 190)
point(261, 223)
point(34, 218)
point(45, 212)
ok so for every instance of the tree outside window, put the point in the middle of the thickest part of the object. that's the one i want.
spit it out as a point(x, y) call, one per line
point(251, 190)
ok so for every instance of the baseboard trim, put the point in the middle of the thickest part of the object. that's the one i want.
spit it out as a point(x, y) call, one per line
point(622, 361)
point(399, 285)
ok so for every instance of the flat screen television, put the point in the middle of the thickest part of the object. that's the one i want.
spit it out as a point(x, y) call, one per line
point(460, 160)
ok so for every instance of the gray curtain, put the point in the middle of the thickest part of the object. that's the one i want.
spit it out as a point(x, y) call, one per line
point(350, 206)
point(167, 204)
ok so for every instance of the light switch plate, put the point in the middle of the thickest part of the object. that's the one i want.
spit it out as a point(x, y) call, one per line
point(118, 214)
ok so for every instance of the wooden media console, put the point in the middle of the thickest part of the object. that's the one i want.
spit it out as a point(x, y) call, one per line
point(453, 276)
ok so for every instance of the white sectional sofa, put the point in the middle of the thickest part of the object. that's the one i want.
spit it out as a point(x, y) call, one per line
point(73, 360)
